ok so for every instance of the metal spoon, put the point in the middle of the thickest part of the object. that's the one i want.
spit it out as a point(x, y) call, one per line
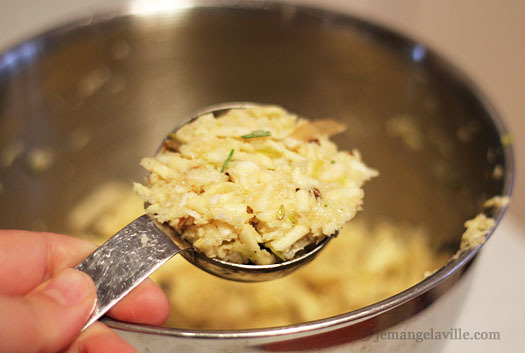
point(136, 251)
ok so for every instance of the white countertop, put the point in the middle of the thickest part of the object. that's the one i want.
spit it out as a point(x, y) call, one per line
point(485, 39)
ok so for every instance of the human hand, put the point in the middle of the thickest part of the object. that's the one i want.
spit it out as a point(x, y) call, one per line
point(44, 303)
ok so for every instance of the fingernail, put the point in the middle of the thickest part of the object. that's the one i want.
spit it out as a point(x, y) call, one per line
point(69, 288)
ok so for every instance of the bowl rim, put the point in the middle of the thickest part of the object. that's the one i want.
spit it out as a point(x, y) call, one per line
point(123, 9)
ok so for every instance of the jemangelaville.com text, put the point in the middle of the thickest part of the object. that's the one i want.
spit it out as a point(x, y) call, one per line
point(431, 334)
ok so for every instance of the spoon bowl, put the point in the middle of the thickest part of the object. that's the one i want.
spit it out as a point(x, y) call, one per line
point(254, 273)
point(235, 271)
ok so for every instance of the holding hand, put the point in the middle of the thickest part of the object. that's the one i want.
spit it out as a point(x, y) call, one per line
point(44, 302)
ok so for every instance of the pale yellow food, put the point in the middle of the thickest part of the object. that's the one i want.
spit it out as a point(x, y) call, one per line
point(365, 265)
point(477, 228)
point(248, 187)
point(476, 231)
point(496, 202)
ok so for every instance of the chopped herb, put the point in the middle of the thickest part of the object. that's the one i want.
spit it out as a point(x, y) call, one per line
point(227, 161)
point(172, 136)
point(280, 213)
point(325, 205)
point(292, 218)
point(332, 162)
point(257, 133)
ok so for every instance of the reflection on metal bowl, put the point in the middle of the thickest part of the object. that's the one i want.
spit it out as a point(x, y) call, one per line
point(81, 104)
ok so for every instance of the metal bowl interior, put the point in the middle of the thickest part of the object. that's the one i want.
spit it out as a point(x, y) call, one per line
point(129, 78)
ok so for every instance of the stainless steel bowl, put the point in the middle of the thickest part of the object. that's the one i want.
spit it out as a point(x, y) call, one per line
point(126, 77)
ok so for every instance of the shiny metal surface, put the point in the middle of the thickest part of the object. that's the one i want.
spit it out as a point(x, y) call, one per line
point(150, 68)
point(125, 260)
point(253, 273)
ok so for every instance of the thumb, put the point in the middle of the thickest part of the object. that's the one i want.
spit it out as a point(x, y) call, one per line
point(48, 318)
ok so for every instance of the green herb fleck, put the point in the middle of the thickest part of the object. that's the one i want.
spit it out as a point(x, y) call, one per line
point(257, 133)
point(325, 205)
point(332, 162)
point(227, 161)
point(280, 213)
point(172, 136)
point(292, 218)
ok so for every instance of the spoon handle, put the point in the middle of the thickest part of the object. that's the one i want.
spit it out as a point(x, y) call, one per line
point(125, 260)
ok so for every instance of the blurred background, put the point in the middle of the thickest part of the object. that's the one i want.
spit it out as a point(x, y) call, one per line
point(484, 38)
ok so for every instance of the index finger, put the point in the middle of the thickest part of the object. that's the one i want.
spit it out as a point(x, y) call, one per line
point(29, 258)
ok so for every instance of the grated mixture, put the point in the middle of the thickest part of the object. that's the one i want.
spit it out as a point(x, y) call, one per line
point(255, 185)
point(365, 265)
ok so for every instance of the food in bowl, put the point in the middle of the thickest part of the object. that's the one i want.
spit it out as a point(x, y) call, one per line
point(368, 263)
point(254, 185)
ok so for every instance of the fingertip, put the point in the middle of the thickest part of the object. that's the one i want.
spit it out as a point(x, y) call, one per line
point(146, 304)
